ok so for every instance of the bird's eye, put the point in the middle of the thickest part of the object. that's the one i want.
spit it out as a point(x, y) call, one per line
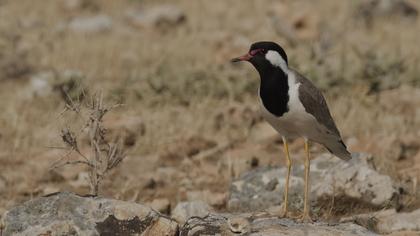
point(257, 51)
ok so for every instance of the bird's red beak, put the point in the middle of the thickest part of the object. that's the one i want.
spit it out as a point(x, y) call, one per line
point(245, 57)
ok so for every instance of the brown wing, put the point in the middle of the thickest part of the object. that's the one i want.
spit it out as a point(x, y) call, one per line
point(314, 103)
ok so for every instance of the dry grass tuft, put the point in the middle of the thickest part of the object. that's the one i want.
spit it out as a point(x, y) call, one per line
point(103, 155)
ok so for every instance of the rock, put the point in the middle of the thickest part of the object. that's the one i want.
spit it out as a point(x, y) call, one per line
point(77, 5)
point(169, 15)
point(239, 224)
point(404, 233)
point(264, 224)
point(355, 180)
point(70, 214)
point(40, 84)
point(91, 24)
point(186, 210)
point(212, 198)
point(161, 204)
point(368, 10)
point(388, 221)
point(49, 190)
point(68, 83)
point(399, 222)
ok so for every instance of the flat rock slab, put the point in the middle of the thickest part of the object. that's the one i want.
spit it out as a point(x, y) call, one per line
point(70, 214)
point(330, 177)
point(399, 222)
point(264, 224)
point(389, 222)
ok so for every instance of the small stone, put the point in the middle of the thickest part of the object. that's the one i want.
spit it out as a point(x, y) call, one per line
point(169, 15)
point(212, 198)
point(79, 5)
point(369, 10)
point(49, 190)
point(238, 224)
point(41, 84)
point(185, 210)
point(161, 204)
point(91, 24)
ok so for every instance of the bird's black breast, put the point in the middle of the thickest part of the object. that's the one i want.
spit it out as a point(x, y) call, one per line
point(274, 93)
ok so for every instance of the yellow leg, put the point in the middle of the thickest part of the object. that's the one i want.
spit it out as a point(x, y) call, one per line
point(286, 187)
point(306, 211)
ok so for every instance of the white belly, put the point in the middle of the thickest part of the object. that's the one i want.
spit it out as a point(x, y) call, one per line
point(293, 124)
point(296, 122)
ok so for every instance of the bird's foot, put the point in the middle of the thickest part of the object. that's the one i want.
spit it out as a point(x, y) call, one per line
point(305, 218)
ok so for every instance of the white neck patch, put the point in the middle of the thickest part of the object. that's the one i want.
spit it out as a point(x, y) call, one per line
point(276, 60)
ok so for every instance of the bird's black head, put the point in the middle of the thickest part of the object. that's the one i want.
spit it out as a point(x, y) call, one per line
point(265, 55)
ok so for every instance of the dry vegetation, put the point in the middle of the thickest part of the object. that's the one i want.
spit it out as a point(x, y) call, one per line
point(190, 120)
point(103, 155)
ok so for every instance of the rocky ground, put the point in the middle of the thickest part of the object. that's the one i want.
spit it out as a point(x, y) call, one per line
point(189, 119)
point(69, 214)
point(256, 195)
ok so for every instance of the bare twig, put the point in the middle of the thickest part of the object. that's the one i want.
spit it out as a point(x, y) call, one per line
point(61, 159)
point(74, 163)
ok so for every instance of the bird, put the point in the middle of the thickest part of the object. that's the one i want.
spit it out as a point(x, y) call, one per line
point(295, 108)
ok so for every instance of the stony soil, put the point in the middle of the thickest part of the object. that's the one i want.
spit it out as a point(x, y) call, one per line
point(190, 119)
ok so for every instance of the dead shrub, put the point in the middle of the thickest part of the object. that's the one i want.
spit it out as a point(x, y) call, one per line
point(103, 155)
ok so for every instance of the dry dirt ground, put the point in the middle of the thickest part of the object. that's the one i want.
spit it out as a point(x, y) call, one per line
point(190, 118)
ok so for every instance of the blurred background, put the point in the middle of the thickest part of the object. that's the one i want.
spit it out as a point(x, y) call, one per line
point(190, 120)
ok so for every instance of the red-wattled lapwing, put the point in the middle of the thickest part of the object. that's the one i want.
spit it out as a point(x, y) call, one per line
point(294, 107)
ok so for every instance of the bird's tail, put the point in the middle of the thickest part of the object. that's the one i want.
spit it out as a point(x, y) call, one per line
point(339, 149)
